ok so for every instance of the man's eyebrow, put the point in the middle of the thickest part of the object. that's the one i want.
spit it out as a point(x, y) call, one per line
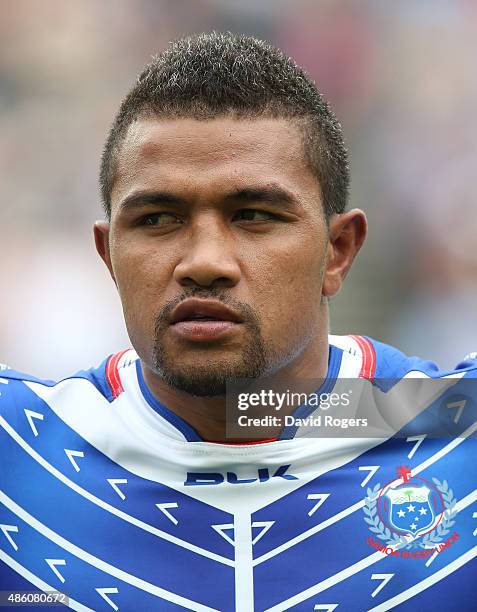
point(270, 194)
point(267, 194)
point(143, 198)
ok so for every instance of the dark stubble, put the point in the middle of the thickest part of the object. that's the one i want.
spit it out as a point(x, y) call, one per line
point(210, 377)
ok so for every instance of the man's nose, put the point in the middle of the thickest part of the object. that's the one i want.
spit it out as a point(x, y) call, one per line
point(209, 258)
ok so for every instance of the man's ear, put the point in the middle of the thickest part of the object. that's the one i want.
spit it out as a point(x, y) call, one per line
point(101, 240)
point(347, 232)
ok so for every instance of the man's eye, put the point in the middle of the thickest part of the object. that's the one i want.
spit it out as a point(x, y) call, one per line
point(162, 218)
point(251, 214)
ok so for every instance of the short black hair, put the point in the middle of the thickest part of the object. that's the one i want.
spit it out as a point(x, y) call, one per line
point(219, 74)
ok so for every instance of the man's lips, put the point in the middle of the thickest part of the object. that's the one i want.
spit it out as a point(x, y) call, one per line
point(193, 309)
point(202, 320)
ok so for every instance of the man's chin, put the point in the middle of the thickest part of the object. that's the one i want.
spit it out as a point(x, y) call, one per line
point(200, 384)
point(205, 373)
point(209, 378)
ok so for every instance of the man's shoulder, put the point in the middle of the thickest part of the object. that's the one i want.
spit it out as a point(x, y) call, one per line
point(105, 378)
point(377, 360)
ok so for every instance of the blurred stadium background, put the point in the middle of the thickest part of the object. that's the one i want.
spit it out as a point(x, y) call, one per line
point(402, 79)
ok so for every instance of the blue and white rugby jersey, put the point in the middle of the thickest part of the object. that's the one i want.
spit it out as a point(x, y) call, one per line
point(109, 497)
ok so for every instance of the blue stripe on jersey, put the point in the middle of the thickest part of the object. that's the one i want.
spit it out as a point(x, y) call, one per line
point(189, 432)
point(303, 411)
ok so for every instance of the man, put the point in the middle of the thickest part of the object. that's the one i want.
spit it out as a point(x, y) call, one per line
point(225, 180)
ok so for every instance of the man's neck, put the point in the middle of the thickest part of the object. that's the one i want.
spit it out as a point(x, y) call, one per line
point(207, 415)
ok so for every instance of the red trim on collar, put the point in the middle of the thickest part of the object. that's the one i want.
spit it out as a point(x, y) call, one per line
point(368, 365)
point(112, 374)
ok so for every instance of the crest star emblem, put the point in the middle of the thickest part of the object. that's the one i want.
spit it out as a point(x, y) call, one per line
point(402, 505)
point(404, 510)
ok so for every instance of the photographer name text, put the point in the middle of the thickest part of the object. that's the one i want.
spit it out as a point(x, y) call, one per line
point(291, 421)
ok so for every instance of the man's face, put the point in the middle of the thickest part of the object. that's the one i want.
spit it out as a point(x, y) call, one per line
point(228, 212)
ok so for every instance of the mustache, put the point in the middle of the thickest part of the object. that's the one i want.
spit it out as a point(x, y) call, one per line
point(248, 314)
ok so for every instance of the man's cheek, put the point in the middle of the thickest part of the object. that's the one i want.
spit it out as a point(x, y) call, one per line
point(279, 317)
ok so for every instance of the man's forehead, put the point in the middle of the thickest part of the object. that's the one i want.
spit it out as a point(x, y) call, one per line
point(173, 149)
point(221, 137)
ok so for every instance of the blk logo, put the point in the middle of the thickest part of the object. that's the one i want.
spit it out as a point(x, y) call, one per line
point(216, 478)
